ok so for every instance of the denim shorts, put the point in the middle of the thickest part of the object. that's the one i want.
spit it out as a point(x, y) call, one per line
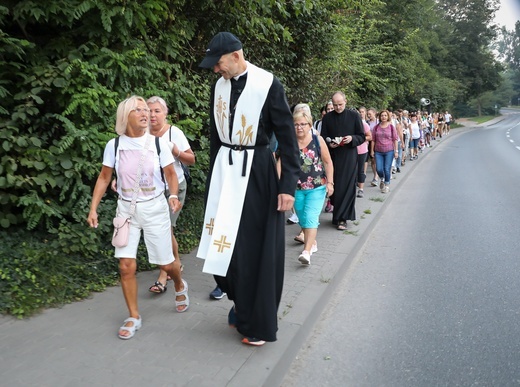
point(414, 143)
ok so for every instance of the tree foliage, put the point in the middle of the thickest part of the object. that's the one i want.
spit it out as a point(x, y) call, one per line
point(470, 60)
point(508, 48)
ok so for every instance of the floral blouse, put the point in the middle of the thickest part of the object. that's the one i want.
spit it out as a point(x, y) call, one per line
point(312, 173)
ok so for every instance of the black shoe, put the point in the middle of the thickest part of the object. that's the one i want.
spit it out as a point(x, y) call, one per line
point(232, 318)
point(217, 294)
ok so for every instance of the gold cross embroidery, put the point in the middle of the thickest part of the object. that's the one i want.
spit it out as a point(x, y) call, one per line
point(222, 244)
point(210, 226)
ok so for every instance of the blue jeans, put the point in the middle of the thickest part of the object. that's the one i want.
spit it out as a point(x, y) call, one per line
point(399, 155)
point(384, 165)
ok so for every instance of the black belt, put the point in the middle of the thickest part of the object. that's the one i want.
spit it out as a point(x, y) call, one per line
point(233, 147)
point(141, 201)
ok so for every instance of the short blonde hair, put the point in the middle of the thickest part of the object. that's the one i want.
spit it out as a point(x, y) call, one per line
point(123, 110)
point(303, 106)
point(302, 114)
point(162, 102)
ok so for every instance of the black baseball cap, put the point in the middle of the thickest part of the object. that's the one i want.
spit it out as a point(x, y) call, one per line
point(222, 43)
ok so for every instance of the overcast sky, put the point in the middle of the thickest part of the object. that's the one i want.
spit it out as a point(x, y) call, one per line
point(508, 13)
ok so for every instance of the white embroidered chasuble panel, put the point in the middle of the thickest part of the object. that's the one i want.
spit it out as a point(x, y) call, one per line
point(228, 187)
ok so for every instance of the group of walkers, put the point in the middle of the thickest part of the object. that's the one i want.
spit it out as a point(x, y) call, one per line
point(247, 194)
point(388, 140)
point(265, 159)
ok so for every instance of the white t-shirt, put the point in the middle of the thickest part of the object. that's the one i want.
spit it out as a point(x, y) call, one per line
point(416, 132)
point(126, 163)
point(317, 127)
point(178, 138)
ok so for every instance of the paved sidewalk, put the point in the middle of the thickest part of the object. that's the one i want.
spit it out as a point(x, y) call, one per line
point(77, 345)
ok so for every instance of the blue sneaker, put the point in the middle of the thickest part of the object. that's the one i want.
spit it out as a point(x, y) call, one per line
point(217, 294)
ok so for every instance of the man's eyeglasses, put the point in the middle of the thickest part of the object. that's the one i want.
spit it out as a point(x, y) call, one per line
point(142, 110)
point(301, 125)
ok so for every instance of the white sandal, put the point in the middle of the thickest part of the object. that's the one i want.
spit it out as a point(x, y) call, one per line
point(186, 301)
point(138, 323)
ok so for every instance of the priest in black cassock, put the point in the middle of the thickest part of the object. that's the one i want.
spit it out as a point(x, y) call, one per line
point(243, 237)
point(343, 130)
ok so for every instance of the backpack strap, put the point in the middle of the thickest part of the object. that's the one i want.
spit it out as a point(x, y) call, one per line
point(116, 145)
point(317, 144)
point(158, 147)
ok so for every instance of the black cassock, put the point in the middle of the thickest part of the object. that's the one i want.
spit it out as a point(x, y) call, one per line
point(254, 280)
point(344, 159)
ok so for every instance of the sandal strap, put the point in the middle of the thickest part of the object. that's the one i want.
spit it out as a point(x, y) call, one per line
point(133, 319)
point(137, 322)
point(186, 301)
point(160, 287)
point(134, 328)
point(183, 302)
point(184, 291)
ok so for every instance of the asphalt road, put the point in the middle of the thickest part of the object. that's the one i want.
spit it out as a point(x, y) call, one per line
point(433, 298)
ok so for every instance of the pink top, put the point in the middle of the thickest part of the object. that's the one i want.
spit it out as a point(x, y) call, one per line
point(384, 138)
point(363, 148)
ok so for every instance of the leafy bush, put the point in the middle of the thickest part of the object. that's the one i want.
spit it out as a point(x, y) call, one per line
point(40, 270)
point(189, 224)
point(34, 275)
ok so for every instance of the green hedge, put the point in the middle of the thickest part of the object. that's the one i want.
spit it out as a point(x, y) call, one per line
point(40, 270)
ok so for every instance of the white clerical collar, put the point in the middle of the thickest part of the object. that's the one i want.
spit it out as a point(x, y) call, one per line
point(238, 76)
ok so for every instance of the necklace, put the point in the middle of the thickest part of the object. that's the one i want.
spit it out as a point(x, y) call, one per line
point(160, 132)
point(162, 129)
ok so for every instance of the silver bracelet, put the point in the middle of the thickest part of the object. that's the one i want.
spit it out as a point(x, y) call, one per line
point(173, 196)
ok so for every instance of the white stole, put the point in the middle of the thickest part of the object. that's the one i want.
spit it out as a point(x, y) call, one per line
point(228, 187)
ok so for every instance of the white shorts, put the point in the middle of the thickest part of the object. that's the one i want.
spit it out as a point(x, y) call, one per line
point(153, 217)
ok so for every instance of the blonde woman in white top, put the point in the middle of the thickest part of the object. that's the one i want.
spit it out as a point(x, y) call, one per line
point(136, 150)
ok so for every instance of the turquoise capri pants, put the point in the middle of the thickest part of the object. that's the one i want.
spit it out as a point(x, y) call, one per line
point(308, 204)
